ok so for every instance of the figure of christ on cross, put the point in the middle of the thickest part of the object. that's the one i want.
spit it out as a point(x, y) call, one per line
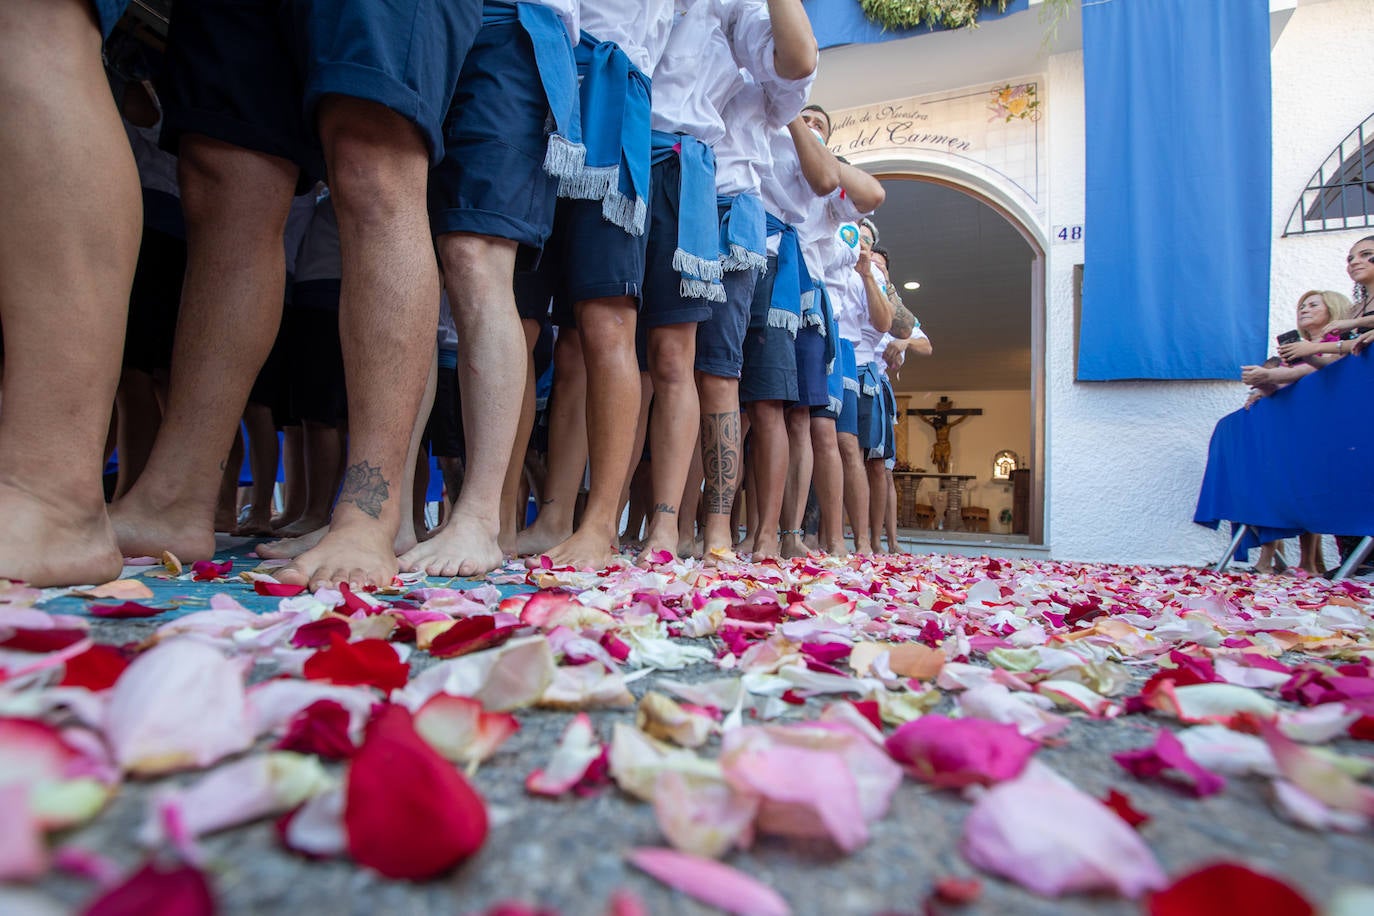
point(939, 419)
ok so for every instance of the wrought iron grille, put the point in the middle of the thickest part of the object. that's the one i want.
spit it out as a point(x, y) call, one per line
point(1340, 195)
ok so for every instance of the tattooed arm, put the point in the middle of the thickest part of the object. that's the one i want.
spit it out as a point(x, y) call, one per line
point(903, 322)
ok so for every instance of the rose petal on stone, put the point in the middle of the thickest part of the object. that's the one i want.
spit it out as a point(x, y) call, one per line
point(320, 633)
point(953, 753)
point(156, 890)
point(710, 882)
point(1166, 758)
point(23, 855)
point(316, 828)
point(662, 717)
point(1049, 837)
point(577, 750)
point(1319, 778)
point(369, 661)
point(589, 686)
point(98, 668)
point(322, 729)
point(181, 704)
point(407, 811)
point(703, 815)
point(1119, 803)
point(508, 677)
point(1199, 703)
point(461, 730)
point(1228, 888)
point(273, 589)
point(119, 589)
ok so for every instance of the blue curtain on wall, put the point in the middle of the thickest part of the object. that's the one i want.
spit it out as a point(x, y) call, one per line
point(1178, 221)
point(842, 22)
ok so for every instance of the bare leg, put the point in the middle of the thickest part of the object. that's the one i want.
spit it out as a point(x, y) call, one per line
point(567, 449)
point(691, 504)
point(722, 454)
point(638, 465)
point(828, 475)
point(877, 500)
point(137, 419)
point(770, 472)
point(1311, 554)
point(491, 372)
point(512, 510)
point(612, 406)
point(69, 237)
point(262, 459)
point(798, 479)
point(388, 309)
point(226, 503)
point(890, 519)
point(855, 490)
point(235, 202)
point(673, 428)
point(294, 486)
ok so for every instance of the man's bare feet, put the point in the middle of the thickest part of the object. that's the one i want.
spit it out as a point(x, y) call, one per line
point(225, 521)
point(359, 553)
point(464, 546)
point(306, 524)
point(146, 531)
point(538, 539)
point(696, 548)
point(292, 546)
point(838, 550)
point(588, 548)
point(48, 545)
point(256, 525)
point(765, 546)
point(662, 536)
point(792, 546)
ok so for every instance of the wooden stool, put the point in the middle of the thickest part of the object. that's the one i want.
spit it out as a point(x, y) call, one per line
point(975, 518)
point(925, 516)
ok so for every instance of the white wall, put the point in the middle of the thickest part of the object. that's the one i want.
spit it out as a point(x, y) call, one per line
point(1004, 423)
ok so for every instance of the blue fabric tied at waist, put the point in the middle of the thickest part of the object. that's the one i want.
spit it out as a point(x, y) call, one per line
point(817, 312)
point(792, 284)
point(697, 256)
point(743, 236)
point(834, 369)
point(849, 365)
point(610, 161)
point(870, 379)
point(553, 55)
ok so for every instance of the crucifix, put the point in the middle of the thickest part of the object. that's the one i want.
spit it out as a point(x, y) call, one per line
point(938, 417)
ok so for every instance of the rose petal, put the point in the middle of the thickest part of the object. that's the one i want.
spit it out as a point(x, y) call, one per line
point(703, 815)
point(368, 661)
point(461, 730)
point(98, 668)
point(1319, 778)
point(1049, 837)
point(319, 633)
point(1167, 758)
point(129, 610)
point(23, 855)
point(576, 751)
point(322, 729)
point(180, 704)
point(1119, 803)
point(407, 811)
point(123, 589)
point(316, 828)
point(1228, 888)
point(471, 635)
point(953, 753)
point(710, 882)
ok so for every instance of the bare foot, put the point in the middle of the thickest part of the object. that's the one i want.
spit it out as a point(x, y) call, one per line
point(765, 547)
point(256, 525)
point(282, 521)
point(697, 548)
point(539, 539)
point(838, 550)
point(290, 547)
point(146, 531)
point(792, 546)
point(359, 553)
point(588, 548)
point(465, 546)
point(306, 524)
point(225, 521)
point(47, 545)
point(662, 536)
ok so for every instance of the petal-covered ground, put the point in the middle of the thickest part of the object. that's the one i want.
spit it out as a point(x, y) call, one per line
point(912, 734)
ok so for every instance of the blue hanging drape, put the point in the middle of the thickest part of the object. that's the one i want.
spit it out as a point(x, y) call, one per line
point(1178, 221)
point(842, 22)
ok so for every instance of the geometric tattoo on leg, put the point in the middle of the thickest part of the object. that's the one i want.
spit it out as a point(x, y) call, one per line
point(720, 460)
point(365, 487)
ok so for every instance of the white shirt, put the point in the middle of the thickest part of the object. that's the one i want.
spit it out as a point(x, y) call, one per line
point(784, 189)
point(710, 42)
point(639, 27)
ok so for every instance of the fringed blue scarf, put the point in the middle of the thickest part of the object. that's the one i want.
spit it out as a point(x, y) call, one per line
point(849, 366)
point(610, 161)
point(834, 368)
point(697, 256)
point(743, 236)
point(792, 286)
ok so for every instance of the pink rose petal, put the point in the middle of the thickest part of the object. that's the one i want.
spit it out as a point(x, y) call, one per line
point(710, 882)
point(953, 753)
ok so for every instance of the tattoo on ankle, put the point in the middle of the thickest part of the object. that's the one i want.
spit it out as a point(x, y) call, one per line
point(665, 509)
point(365, 487)
point(720, 456)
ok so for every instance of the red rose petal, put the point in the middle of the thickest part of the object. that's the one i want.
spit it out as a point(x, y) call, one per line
point(277, 589)
point(321, 729)
point(1228, 888)
point(95, 669)
point(1167, 757)
point(369, 661)
point(470, 635)
point(1124, 809)
point(953, 753)
point(408, 812)
point(126, 611)
point(209, 570)
point(155, 891)
point(319, 632)
point(48, 640)
point(958, 890)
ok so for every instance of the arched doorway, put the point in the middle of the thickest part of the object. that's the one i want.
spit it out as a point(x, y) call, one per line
point(980, 263)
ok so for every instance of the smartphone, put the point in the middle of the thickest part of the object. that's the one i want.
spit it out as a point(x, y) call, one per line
point(1288, 337)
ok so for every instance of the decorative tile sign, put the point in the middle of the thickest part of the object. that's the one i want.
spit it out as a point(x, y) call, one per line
point(995, 131)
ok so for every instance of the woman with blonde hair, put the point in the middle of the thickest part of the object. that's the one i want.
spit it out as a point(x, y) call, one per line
point(1333, 342)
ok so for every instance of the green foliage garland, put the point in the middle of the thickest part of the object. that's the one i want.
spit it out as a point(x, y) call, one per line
point(952, 14)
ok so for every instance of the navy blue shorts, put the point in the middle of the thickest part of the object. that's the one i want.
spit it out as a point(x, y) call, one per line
point(586, 257)
point(870, 420)
point(404, 54)
point(107, 13)
point(848, 420)
point(720, 338)
point(492, 180)
point(230, 76)
point(770, 366)
point(663, 302)
point(812, 385)
point(315, 372)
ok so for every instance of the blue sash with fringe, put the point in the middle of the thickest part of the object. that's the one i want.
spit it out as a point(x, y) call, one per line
point(743, 232)
point(697, 257)
point(610, 161)
point(792, 287)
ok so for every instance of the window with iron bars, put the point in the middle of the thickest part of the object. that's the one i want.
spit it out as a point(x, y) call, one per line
point(1340, 194)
